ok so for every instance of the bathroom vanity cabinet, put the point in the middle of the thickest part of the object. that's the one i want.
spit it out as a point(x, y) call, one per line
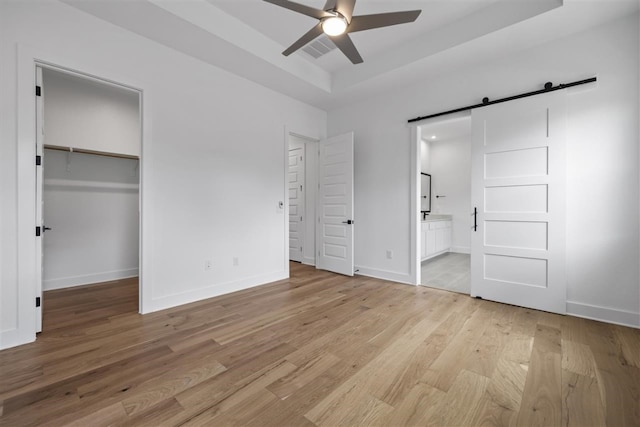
point(435, 236)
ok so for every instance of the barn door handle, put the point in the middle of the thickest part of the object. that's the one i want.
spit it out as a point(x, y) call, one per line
point(475, 219)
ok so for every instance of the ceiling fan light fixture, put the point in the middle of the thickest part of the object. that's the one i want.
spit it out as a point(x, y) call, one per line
point(334, 25)
point(337, 21)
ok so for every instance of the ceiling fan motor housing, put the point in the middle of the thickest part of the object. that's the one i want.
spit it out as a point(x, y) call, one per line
point(334, 25)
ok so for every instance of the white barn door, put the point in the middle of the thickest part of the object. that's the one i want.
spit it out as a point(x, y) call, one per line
point(518, 189)
point(335, 207)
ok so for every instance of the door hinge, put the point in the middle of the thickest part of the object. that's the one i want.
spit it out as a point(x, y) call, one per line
point(38, 91)
point(37, 301)
point(37, 231)
point(38, 160)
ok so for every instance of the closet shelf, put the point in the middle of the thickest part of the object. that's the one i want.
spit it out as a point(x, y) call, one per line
point(95, 152)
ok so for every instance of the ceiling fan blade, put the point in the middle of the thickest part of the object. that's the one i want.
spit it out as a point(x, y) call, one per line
point(368, 22)
point(347, 47)
point(345, 7)
point(329, 5)
point(309, 36)
point(300, 8)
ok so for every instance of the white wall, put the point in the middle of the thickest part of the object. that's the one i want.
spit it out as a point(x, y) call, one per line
point(602, 191)
point(450, 166)
point(212, 170)
point(81, 113)
point(91, 204)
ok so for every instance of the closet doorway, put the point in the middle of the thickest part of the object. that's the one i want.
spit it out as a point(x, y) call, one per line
point(88, 146)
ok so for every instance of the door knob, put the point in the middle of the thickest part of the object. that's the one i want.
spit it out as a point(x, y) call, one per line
point(349, 221)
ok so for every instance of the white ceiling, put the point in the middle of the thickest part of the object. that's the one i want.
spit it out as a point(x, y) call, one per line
point(246, 37)
point(285, 27)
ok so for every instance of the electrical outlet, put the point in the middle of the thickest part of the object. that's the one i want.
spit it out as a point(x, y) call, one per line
point(389, 254)
point(235, 261)
point(207, 264)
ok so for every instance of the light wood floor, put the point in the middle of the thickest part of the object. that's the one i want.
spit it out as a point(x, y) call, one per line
point(318, 349)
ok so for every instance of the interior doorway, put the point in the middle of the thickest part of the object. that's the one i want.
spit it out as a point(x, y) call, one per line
point(302, 185)
point(326, 224)
point(89, 148)
point(445, 224)
point(518, 179)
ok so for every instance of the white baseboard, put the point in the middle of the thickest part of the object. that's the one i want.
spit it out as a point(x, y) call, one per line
point(461, 249)
point(383, 274)
point(15, 337)
point(308, 261)
point(214, 290)
point(86, 279)
point(604, 314)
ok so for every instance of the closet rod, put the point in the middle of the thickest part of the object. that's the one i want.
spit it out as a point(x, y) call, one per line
point(548, 87)
point(83, 151)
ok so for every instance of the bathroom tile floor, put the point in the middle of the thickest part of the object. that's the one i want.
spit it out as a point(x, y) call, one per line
point(450, 271)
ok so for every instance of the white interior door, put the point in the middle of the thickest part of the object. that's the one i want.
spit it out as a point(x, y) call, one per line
point(335, 206)
point(39, 195)
point(296, 199)
point(518, 189)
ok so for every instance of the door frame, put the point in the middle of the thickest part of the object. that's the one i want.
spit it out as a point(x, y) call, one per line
point(415, 273)
point(40, 185)
point(415, 167)
point(27, 60)
point(308, 154)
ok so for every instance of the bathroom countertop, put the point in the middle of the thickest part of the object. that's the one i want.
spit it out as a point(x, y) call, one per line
point(437, 217)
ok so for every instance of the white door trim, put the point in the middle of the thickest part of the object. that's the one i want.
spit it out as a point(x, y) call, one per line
point(39, 198)
point(415, 270)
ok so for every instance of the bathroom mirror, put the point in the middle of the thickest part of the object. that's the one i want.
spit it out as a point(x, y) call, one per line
point(425, 192)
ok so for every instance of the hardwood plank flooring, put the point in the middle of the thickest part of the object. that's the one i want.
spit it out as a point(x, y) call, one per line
point(317, 349)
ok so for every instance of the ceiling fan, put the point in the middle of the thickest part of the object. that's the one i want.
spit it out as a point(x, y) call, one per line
point(336, 20)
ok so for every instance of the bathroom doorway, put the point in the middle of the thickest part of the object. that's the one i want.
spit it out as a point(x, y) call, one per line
point(444, 230)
